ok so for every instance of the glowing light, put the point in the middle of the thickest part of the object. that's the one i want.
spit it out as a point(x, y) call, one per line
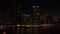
point(33, 6)
point(18, 25)
point(46, 25)
point(4, 32)
point(28, 25)
point(1, 26)
point(38, 13)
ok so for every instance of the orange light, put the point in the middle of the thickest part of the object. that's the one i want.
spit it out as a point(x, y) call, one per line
point(4, 32)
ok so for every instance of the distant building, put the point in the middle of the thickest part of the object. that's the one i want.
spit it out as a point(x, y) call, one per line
point(43, 17)
point(28, 18)
point(36, 14)
point(19, 17)
point(23, 18)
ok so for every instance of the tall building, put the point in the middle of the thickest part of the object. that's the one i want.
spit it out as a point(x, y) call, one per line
point(18, 10)
point(36, 14)
point(28, 18)
point(44, 17)
point(18, 16)
point(25, 18)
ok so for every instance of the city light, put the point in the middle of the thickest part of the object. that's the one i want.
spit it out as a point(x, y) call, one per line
point(4, 33)
point(35, 6)
point(18, 19)
point(18, 25)
point(1, 26)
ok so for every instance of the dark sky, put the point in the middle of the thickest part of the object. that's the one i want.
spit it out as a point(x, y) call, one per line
point(5, 5)
point(45, 5)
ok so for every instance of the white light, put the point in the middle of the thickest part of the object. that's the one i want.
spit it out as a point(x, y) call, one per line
point(37, 13)
point(33, 6)
point(18, 25)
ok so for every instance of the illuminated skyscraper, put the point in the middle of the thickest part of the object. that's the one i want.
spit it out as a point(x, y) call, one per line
point(18, 11)
point(36, 14)
point(18, 15)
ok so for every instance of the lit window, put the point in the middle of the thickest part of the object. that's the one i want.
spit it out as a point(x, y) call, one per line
point(37, 13)
point(33, 6)
point(18, 25)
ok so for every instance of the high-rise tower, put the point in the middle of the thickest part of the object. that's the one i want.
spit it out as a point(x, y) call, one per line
point(18, 15)
point(18, 11)
point(36, 14)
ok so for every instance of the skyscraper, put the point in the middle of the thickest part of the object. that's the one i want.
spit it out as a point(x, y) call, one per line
point(19, 8)
point(36, 14)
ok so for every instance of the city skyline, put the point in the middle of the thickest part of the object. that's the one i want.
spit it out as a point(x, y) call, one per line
point(29, 17)
point(45, 6)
